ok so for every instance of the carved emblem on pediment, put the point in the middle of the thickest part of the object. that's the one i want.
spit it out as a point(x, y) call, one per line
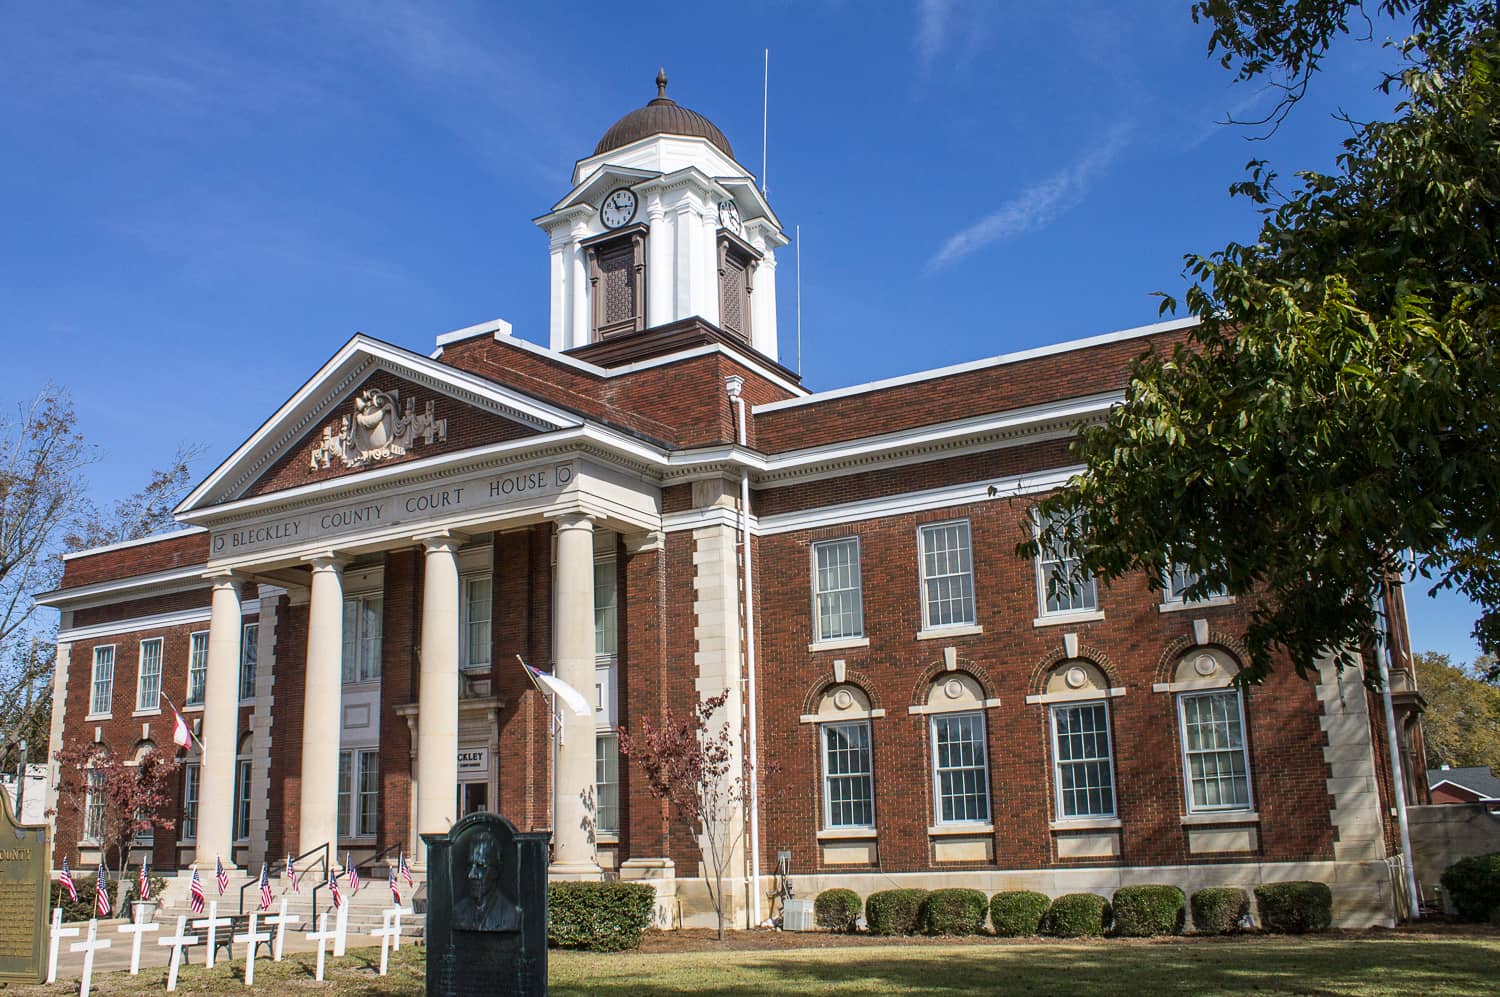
point(377, 430)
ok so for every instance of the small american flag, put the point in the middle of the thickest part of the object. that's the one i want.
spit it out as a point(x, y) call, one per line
point(333, 888)
point(353, 873)
point(291, 874)
point(220, 876)
point(195, 893)
point(395, 889)
point(101, 894)
point(66, 879)
point(265, 888)
point(405, 870)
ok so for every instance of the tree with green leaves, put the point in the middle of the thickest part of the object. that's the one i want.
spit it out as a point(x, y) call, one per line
point(1461, 725)
point(1329, 425)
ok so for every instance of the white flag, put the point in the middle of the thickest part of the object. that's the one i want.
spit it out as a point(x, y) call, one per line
point(180, 733)
point(575, 700)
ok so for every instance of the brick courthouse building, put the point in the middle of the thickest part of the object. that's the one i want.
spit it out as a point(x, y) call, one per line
point(340, 617)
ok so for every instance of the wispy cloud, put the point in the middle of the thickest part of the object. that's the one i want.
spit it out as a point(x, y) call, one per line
point(1037, 205)
point(932, 27)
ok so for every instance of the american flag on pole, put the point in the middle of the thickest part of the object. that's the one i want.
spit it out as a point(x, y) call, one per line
point(220, 876)
point(291, 874)
point(395, 889)
point(353, 873)
point(195, 893)
point(265, 888)
point(101, 893)
point(66, 879)
point(333, 888)
point(143, 882)
point(405, 870)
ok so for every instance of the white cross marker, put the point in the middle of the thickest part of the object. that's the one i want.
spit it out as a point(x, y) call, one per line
point(212, 922)
point(321, 936)
point(136, 929)
point(281, 920)
point(384, 933)
point(179, 941)
point(341, 920)
point(88, 948)
point(396, 914)
point(58, 933)
point(252, 938)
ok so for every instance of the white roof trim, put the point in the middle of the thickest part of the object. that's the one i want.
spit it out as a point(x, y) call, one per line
point(1467, 789)
point(181, 531)
point(963, 368)
point(160, 582)
point(498, 326)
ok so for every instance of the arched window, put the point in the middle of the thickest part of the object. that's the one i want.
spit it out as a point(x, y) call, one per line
point(1083, 766)
point(1211, 726)
point(960, 759)
point(243, 767)
point(845, 748)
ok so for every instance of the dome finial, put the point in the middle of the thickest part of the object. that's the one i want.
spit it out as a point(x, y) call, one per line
point(661, 82)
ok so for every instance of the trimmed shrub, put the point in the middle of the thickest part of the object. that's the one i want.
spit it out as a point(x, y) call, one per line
point(1076, 915)
point(1142, 911)
point(1015, 913)
point(1473, 884)
point(1294, 908)
point(894, 912)
point(837, 910)
point(158, 884)
point(602, 917)
point(954, 912)
point(1219, 910)
point(83, 908)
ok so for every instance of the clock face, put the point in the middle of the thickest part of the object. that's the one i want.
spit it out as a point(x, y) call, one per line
point(729, 217)
point(618, 208)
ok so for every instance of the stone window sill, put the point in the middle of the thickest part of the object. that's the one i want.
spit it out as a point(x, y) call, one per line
point(940, 633)
point(607, 838)
point(1214, 603)
point(1087, 824)
point(147, 713)
point(92, 717)
point(1058, 619)
point(841, 644)
point(1221, 817)
point(847, 833)
point(947, 830)
point(193, 709)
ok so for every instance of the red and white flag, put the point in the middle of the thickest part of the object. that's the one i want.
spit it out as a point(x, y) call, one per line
point(195, 893)
point(333, 888)
point(66, 879)
point(405, 870)
point(353, 872)
point(180, 733)
point(395, 889)
point(265, 888)
point(101, 894)
point(291, 874)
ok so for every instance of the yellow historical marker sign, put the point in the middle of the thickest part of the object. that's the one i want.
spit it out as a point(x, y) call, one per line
point(25, 882)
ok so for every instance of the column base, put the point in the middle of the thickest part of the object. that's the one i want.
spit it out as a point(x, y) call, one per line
point(579, 872)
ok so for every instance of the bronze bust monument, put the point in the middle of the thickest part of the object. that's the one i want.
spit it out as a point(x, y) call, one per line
point(484, 907)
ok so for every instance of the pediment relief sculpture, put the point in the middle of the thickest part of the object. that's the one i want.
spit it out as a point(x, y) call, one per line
point(376, 430)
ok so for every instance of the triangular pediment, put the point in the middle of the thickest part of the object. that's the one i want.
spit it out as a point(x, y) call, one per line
point(374, 406)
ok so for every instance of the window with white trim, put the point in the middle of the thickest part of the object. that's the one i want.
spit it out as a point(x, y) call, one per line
point(148, 679)
point(606, 607)
point(197, 668)
point(848, 776)
point(1058, 588)
point(477, 604)
point(1181, 578)
point(838, 612)
point(362, 637)
point(1082, 763)
point(1215, 758)
point(102, 688)
point(93, 809)
point(960, 769)
point(947, 575)
point(359, 793)
point(242, 770)
point(606, 783)
point(190, 779)
point(249, 656)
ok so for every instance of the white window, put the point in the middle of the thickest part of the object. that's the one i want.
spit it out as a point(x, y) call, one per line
point(103, 689)
point(961, 774)
point(197, 668)
point(607, 783)
point(93, 810)
point(1059, 589)
point(362, 632)
point(249, 655)
point(848, 776)
point(148, 681)
point(947, 575)
point(475, 627)
point(1180, 579)
point(1216, 762)
point(242, 799)
point(190, 774)
point(606, 608)
point(838, 612)
point(1082, 764)
point(359, 793)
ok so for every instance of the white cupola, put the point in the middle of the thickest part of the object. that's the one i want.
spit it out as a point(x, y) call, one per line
point(662, 225)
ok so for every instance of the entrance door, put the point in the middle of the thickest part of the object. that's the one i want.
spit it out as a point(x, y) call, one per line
point(473, 797)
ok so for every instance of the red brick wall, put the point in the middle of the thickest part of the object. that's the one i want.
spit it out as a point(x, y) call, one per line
point(286, 733)
point(522, 625)
point(399, 665)
point(141, 559)
point(176, 602)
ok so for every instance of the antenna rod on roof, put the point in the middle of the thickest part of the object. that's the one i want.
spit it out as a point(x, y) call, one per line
point(765, 98)
point(799, 300)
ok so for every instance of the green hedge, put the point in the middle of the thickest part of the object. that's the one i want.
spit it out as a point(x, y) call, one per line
point(1016, 913)
point(1294, 908)
point(158, 884)
point(954, 912)
point(1473, 884)
point(837, 909)
point(1218, 910)
point(894, 912)
point(1076, 915)
point(603, 917)
point(1142, 911)
point(83, 908)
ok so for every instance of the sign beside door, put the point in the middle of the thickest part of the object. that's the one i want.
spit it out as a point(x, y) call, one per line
point(473, 761)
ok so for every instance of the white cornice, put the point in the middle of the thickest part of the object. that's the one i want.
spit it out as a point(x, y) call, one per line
point(157, 582)
point(158, 621)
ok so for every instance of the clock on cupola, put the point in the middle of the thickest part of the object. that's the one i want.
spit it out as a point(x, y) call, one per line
point(662, 226)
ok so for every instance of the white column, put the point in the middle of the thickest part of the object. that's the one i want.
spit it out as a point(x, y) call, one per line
point(323, 687)
point(763, 306)
point(658, 264)
point(559, 263)
point(579, 291)
point(220, 725)
point(683, 264)
point(573, 649)
point(437, 692)
point(708, 292)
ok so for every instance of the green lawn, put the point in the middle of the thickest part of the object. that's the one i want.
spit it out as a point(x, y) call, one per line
point(1380, 964)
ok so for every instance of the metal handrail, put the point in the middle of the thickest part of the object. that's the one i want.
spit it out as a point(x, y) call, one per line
point(374, 860)
point(278, 869)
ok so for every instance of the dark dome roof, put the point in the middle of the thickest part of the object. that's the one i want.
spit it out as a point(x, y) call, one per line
point(662, 116)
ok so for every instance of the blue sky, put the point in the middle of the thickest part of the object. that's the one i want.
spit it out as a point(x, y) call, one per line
point(201, 202)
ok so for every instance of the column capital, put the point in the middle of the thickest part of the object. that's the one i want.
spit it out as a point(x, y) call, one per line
point(441, 541)
point(224, 578)
point(573, 520)
point(645, 543)
point(326, 561)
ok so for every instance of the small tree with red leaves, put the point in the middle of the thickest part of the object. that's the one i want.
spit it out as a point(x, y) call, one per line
point(691, 763)
point(132, 794)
